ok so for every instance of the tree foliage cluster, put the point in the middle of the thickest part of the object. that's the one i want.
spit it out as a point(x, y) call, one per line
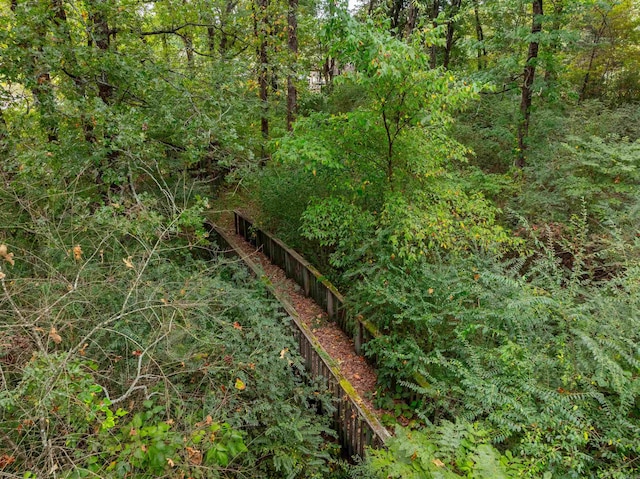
point(126, 350)
point(500, 264)
point(468, 171)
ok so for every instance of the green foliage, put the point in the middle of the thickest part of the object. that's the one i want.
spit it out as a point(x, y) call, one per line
point(383, 172)
point(544, 357)
point(127, 350)
point(147, 446)
point(338, 226)
point(110, 110)
point(70, 410)
point(446, 451)
point(604, 175)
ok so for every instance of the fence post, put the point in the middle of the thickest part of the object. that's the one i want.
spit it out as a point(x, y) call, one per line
point(358, 337)
point(330, 310)
point(305, 281)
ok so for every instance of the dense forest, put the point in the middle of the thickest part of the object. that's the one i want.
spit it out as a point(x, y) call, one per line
point(466, 171)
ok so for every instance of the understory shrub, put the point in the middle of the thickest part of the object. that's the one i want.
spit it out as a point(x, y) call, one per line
point(546, 358)
point(448, 451)
point(126, 350)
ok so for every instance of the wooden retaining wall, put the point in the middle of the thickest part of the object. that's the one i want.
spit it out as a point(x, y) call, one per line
point(316, 286)
point(357, 427)
point(313, 283)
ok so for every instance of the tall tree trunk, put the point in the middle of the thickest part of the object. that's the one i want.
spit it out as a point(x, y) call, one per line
point(329, 71)
point(45, 99)
point(224, 44)
point(394, 15)
point(260, 31)
point(211, 40)
point(64, 32)
point(597, 36)
point(100, 35)
point(4, 150)
point(587, 75)
point(72, 68)
point(451, 30)
point(412, 19)
point(371, 7)
point(435, 9)
point(527, 84)
point(187, 39)
point(482, 51)
point(224, 38)
point(165, 49)
point(292, 92)
point(550, 74)
point(4, 138)
point(188, 48)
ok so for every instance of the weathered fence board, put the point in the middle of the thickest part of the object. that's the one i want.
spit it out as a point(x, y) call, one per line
point(357, 427)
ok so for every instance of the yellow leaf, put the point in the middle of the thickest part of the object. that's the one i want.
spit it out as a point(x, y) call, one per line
point(430, 290)
point(77, 252)
point(127, 262)
point(283, 352)
point(240, 386)
point(438, 462)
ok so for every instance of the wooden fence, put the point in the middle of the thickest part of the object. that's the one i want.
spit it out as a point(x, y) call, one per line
point(316, 286)
point(356, 425)
point(313, 283)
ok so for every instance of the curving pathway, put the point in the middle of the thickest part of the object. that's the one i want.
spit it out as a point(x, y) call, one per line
point(340, 347)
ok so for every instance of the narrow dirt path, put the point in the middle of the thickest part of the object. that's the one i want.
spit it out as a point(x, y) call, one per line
point(340, 347)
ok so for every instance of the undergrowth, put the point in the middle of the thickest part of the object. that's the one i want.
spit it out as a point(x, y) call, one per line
point(127, 350)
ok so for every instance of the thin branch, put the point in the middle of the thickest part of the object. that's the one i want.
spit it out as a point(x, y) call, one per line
point(134, 385)
point(504, 90)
